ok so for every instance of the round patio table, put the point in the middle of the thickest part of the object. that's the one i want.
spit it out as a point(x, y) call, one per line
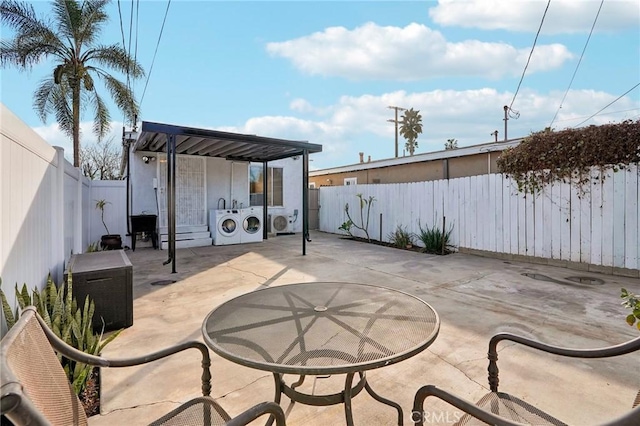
point(322, 328)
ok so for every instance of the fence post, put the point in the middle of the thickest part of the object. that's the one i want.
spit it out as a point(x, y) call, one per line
point(57, 218)
point(77, 232)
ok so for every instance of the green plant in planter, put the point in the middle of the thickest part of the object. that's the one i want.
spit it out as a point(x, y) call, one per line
point(60, 311)
point(108, 241)
point(401, 238)
point(435, 240)
point(631, 301)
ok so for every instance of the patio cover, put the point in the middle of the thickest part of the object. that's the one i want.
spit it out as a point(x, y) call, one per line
point(173, 140)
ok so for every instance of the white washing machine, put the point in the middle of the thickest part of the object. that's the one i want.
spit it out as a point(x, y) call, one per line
point(225, 226)
point(251, 225)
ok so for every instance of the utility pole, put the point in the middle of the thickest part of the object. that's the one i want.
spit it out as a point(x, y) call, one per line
point(396, 108)
point(506, 118)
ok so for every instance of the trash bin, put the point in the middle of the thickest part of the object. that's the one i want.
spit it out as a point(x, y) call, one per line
point(144, 223)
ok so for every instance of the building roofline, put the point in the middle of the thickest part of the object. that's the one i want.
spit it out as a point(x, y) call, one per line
point(429, 156)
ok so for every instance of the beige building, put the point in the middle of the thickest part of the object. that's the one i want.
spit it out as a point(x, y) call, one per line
point(460, 162)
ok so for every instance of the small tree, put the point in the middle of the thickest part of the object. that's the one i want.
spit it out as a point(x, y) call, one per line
point(411, 128)
point(364, 222)
point(451, 144)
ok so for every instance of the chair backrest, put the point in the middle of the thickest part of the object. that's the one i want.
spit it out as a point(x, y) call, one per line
point(34, 386)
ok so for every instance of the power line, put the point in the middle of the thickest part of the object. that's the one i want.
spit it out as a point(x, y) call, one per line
point(156, 52)
point(608, 105)
point(530, 53)
point(129, 51)
point(578, 65)
point(124, 45)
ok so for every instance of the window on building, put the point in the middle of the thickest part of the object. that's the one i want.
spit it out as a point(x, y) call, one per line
point(256, 186)
point(351, 181)
point(312, 185)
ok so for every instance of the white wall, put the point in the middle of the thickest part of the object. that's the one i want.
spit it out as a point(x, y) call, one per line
point(292, 190)
point(600, 227)
point(115, 211)
point(228, 180)
point(40, 208)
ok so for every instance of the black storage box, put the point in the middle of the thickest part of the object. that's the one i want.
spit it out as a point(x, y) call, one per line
point(107, 278)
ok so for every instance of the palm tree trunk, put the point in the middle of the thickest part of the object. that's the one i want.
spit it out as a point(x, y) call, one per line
point(76, 124)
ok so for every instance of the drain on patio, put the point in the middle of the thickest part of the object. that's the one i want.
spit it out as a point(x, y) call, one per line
point(540, 277)
point(163, 282)
point(578, 280)
point(586, 280)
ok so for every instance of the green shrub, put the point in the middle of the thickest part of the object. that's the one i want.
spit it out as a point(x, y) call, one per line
point(401, 238)
point(631, 301)
point(551, 156)
point(435, 240)
point(60, 311)
point(347, 227)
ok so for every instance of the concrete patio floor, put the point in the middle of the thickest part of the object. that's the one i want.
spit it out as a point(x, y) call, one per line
point(474, 296)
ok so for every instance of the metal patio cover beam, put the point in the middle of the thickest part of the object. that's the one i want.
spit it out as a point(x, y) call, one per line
point(254, 148)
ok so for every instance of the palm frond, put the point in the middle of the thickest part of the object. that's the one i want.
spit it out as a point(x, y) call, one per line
point(93, 15)
point(122, 95)
point(34, 39)
point(68, 17)
point(116, 58)
point(102, 118)
point(61, 106)
point(18, 15)
point(42, 98)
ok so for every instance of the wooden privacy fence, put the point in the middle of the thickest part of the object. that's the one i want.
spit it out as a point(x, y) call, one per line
point(596, 224)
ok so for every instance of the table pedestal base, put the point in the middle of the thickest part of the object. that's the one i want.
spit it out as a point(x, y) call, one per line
point(350, 390)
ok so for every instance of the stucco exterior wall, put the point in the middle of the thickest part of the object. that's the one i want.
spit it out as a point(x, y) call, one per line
point(468, 165)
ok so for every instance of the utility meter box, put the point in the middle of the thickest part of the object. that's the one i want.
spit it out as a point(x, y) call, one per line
point(107, 278)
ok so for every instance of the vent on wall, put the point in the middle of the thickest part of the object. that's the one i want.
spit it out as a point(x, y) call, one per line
point(376, 181)
point(280, 224)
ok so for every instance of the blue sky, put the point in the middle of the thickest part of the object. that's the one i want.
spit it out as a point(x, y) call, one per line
point(325, 71)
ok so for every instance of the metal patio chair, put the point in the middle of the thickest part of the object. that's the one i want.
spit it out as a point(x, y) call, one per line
point(35, 389)
point(502, 409)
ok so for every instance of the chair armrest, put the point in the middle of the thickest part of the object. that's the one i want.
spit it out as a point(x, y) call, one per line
point(468, 407)
point(609, 351)
point(72, 353)
point(256, 411)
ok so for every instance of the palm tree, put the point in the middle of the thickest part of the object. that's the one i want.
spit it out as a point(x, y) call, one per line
point(410, 128)
point(451, 144)
point(70, 37)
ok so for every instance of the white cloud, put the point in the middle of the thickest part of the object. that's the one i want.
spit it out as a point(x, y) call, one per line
point(563, 16)
point(410, 53)
point(359, 123)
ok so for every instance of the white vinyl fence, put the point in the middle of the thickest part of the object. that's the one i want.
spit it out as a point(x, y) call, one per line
point(599, 226)
point(47, 208)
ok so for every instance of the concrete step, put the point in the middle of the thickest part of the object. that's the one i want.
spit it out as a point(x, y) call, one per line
point(185, 229)
point(200, 242)
point(186, 236)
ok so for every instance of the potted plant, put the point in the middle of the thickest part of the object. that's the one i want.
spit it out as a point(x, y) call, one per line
point(108, 241)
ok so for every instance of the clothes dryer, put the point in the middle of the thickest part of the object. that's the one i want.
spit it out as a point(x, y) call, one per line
point(251, 225)
point(226, 224)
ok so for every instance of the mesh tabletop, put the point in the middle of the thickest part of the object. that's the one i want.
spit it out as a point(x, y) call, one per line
point(321, 328)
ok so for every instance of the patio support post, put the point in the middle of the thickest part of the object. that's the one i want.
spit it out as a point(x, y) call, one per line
point(305, 201)
point(171, 199)
point(265, 197)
